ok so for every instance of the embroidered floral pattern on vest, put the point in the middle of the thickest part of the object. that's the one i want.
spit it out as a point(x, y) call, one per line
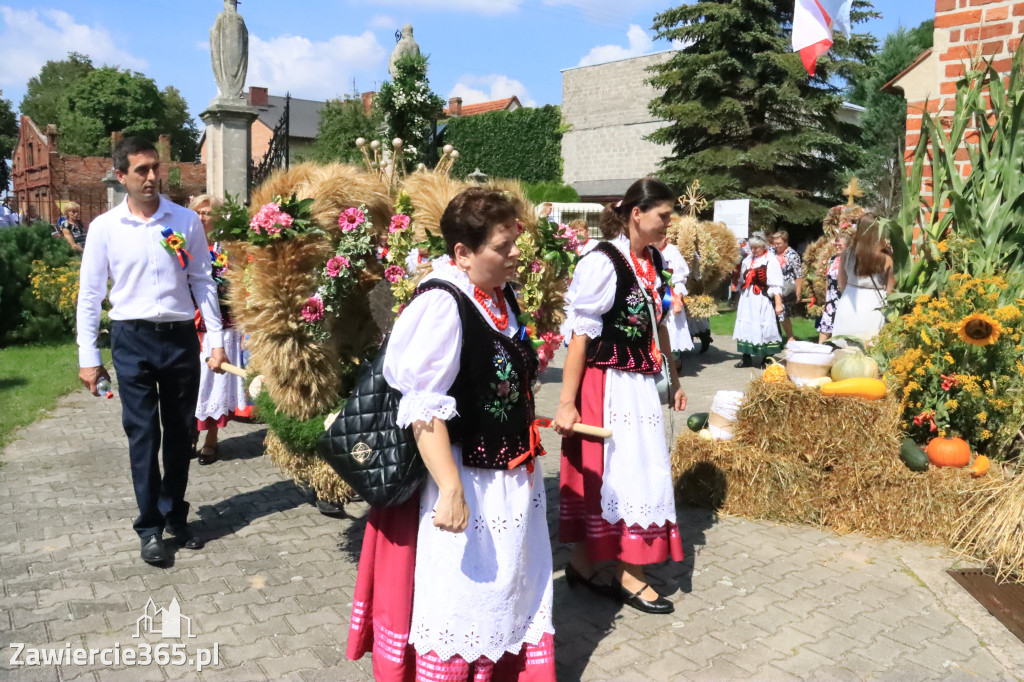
point(634, 319)
point(505, 387)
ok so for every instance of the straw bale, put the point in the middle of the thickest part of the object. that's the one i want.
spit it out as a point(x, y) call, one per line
point(683, 231)
point(728, 257)
point(992, 525)
point(430, 194)
point(867, 492)
point(784, 419)
point(309, 471)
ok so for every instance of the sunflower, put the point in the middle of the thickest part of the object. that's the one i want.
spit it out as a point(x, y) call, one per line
point(174, 241)
point(979, 329)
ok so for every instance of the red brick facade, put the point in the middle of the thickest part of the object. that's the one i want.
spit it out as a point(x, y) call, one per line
point(44, 179)
point(966, 31)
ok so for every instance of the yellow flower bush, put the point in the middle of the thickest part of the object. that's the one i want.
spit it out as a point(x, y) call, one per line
point(955, 359)
point(57, 287)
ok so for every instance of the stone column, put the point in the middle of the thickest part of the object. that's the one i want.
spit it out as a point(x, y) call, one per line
point(115, 190)
point(228, 148)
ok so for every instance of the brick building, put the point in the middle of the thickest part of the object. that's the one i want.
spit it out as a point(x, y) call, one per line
point(965, 31)
point(44, 179)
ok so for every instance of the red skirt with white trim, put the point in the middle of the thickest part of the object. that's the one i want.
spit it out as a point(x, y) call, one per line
point(580, 518)
point(381, 618)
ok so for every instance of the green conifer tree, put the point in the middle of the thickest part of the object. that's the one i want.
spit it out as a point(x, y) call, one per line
point(742, 114)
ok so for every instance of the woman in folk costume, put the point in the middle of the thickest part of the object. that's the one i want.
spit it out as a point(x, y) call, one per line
point(617, 502)
point(221, 395)
point(757, 328)
point(678, 326)
point(456, 583)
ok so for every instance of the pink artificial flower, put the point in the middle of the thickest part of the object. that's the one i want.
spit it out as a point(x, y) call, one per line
point(399, 223)
point(350, 219)
point(394, 273)
point(271, 219)
point(313, 311)
point(536, 266)
point(336, 265)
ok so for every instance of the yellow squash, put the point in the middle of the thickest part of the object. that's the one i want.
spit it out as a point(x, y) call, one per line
point(869, 389)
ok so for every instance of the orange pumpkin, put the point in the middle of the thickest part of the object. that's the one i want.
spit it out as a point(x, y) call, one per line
point(949, 452)
point(980, 466)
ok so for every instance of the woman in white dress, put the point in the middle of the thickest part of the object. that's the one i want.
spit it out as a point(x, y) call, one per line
point(221, 395)
point(757, 328)
point(677, 324)
point(866, 277)
point(478, 574)
point(617, 502)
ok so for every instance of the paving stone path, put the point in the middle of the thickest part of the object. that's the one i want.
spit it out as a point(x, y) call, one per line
point(272, 590)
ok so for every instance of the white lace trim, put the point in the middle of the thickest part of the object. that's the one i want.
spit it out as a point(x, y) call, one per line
point(582, 325)
point(444, 268)
point(447, 640)
point(424, 406)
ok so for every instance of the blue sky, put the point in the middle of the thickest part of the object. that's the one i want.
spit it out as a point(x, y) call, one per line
point(479, 49)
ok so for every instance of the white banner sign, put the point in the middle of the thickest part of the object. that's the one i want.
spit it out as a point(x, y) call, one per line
point(735, 213)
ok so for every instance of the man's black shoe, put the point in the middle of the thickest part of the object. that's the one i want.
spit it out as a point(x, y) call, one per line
point(184, 537)
point(705, 341)
point(153, 550)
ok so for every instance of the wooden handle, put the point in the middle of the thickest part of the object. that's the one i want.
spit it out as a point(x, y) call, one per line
point(231, 369)
point(588, 430)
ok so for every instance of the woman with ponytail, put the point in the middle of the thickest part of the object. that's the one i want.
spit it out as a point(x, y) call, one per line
point(617, 502)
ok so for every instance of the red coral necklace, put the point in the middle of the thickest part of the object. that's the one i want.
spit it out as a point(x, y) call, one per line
point(645, 272)
point(500, 321)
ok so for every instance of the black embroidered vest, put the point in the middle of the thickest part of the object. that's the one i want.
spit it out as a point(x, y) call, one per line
point(493, 390)
point(627, 330)
point(757, 280)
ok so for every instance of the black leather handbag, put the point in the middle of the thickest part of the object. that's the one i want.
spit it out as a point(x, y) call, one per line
point(365, 446)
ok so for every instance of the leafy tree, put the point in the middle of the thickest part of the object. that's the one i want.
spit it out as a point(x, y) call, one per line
point(885, 118)
point(409, 106)
point(8, 138)
point(744, 117)
point(342, 122)
point(179, 125)
point(46, 95)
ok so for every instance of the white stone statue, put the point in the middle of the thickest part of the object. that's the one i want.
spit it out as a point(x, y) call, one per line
point(229, 50)
point(406, 46)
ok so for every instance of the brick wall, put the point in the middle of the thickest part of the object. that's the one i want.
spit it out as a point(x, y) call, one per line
point(605, 107)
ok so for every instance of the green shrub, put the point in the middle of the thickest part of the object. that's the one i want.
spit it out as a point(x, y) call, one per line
point(539, 192)
point(22, 317)
point(525, 144)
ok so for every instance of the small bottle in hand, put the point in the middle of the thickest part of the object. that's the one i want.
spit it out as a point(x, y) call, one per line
point(104, 389)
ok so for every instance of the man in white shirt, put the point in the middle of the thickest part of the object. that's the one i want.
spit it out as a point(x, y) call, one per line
point(7, 216)
point(153, 339)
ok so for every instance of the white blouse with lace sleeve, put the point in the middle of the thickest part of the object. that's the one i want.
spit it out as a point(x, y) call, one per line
point(422, 358)
point(775, 278)
point(675, 262)
point(590, 296)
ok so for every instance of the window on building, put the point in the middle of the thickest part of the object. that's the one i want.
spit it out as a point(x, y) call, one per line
point(31, 155)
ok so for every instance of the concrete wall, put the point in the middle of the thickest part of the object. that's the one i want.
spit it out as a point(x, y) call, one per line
point(605, 107)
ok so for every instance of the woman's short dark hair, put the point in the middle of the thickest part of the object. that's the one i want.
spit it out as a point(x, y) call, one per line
point(645, 193)
point(472, 214)
point(128, 146)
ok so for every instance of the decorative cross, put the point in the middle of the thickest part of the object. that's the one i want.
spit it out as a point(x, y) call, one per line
point(693, 201)
point(853, 191)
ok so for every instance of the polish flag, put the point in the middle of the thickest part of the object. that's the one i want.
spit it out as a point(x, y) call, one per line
point(813, 24)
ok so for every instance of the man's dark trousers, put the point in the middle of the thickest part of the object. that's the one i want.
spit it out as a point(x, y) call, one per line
point(158, 369)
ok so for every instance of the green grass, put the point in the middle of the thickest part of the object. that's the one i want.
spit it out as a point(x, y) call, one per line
point(32, 378)
point(803, 328)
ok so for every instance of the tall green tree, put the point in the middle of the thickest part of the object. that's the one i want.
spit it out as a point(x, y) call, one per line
point(46, 95)
point(742, 114)
point(8, 138)
point(885, 116)
point(180, 125)
point(410, 107)
point(342, 122)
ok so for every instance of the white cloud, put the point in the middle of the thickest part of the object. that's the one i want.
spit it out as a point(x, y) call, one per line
point(312, 69)
point(384, 21)
point(489, 7)
point(30, 38)
point(476, 89)
point(640, 43)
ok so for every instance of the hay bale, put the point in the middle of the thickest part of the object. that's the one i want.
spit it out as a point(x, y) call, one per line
point(693, 237)
point(992, 526)
point(786, 420)
point(283, 183)
point(338, 186)
point(430, 194)
point(309, 471)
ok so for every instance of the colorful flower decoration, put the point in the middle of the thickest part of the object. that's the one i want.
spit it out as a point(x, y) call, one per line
point(270, 219)
point(313, 311)
point(336, 265)
point(350, 219)
point(174, 244)
point(394, 273)
point(398, 223)
point(979, 329)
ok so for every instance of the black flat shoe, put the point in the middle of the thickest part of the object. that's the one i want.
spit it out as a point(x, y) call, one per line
point(745, 362)
point(184, 537)
point(334, 511)
point(659, 605)
point(208, 455)
point(153, 550)
point(574, 578)
point(705, 341)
